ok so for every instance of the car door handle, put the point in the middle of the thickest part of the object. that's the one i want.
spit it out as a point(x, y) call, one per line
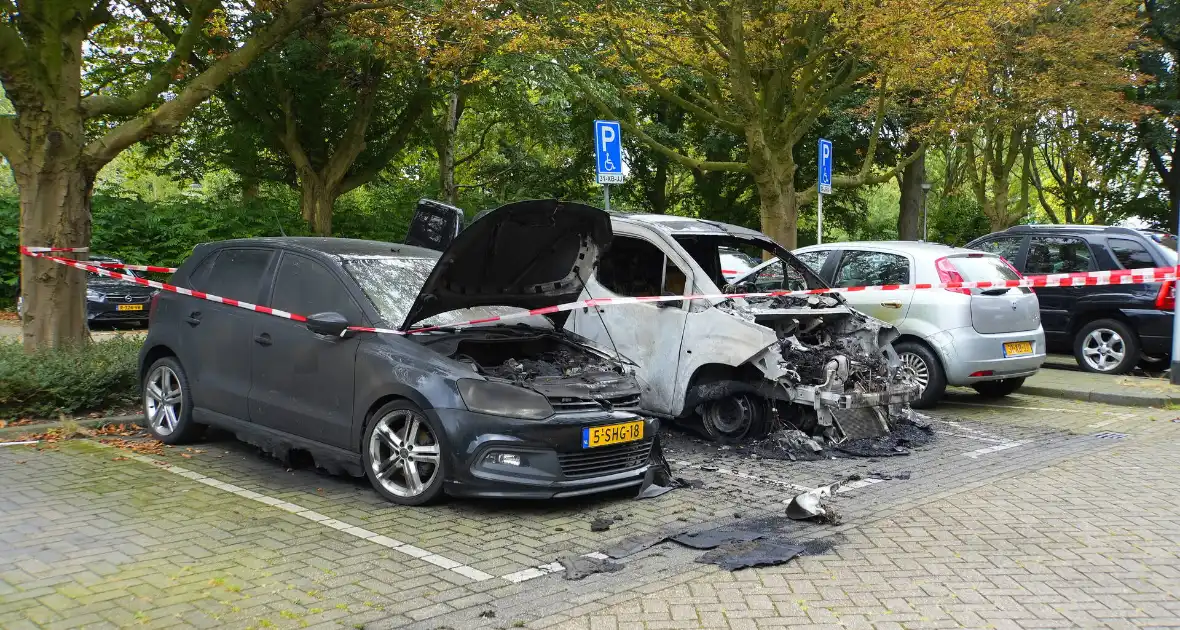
point(262, 340)
point(194, 318)
point(891, 304)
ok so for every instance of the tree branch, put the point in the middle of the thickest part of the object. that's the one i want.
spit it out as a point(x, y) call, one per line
point(395, 142)
point(160, 79)
point(728, 123)
point(672, 154)
point(479, 148)
point(353, 141)
point(11, 145)
point(167, 118)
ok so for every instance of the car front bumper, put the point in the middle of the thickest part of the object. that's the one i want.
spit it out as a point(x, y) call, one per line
point(109, 312)
point(553, 462)
point(964, 352)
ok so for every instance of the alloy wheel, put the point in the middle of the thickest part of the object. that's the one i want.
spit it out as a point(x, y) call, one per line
point(917, 367)
point(1104, 349)
point(162, 400)
point(404, 453)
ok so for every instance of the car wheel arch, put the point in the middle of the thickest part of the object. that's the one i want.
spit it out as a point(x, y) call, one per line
point(933, 348)
point(1077, 321)
point(155, 353)
point(400, 393)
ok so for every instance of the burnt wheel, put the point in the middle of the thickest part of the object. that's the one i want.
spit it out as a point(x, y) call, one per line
point(403, 454)
point(735, 418)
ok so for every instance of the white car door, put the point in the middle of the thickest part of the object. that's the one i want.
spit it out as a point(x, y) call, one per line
point(647, 333)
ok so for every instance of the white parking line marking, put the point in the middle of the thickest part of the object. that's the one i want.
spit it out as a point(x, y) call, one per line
point(968, 404)
point(742, 475)
point(470, 573)
point(993, 449)
point(25, 443)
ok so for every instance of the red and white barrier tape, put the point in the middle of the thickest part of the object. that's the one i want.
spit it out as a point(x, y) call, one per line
point(32, 251)
point(1091, 278)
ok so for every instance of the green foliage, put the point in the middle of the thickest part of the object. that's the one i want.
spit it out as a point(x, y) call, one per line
point(97, 376)
point(165, 232)
point(956, 220)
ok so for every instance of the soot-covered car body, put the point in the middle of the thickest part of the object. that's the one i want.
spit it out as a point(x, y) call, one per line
point(524, 410)
point(736, 364)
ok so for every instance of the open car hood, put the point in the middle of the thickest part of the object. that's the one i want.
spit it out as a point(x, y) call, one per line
point(526, 254)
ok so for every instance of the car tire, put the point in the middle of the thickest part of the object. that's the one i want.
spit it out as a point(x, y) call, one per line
point(392, 464)
point(927, 369)
point(736, 418)
point(1106, 346)
point(168, 403)
point(998, 389)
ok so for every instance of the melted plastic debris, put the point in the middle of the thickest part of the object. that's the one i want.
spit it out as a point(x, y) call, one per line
point(754, 553)
point(558, 363)
point(632, 545)
point(713, 538)
point(905, 434)
point(578, 567)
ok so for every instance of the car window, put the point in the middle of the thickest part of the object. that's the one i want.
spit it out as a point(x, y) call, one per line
point(392, 283)
point(860, 268)
point(1130, 254)
point(235, 274)
point(1057, 254)
point(814, 259)
point(1006, 246)
point(306, 287)
point(634, 267)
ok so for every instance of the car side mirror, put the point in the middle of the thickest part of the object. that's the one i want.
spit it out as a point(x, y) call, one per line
point(329, 324)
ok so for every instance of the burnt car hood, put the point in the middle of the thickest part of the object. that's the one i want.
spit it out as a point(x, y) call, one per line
point(526, 254)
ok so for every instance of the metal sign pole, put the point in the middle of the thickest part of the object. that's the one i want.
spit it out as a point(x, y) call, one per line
point(1174, 377)
point(819, 220)
point(606, 196)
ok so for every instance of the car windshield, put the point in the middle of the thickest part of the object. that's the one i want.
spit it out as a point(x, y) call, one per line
point(392, 284)
point(735, 262)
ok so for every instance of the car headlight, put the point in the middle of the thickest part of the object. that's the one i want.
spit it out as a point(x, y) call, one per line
point(499, 399)
point(95, 296)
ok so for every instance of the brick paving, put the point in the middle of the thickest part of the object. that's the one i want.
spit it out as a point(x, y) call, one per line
point(1072, 523)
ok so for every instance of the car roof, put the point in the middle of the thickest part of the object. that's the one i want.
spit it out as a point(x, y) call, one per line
point(909, 247)
point(677, 225)
point(1070, 228)
point(333, 246)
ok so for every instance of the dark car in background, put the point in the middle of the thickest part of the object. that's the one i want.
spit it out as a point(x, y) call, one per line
point(518, 409)
point(113, 302)
point(1109, 329)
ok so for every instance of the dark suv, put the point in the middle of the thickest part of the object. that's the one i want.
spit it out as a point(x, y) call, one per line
point(1109, 329)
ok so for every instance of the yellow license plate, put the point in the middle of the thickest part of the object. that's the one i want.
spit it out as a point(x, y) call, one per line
point(612, 434)
point(129, 307)
point(1017, 348)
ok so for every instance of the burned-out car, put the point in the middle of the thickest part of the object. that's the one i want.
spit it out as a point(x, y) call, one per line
point(525, 409)
point(740, 365)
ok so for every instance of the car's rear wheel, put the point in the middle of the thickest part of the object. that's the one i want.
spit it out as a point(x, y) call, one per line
point(403, 454)
point(926, 369)
point(998, 389)
point(167, 403)
point(1106, 346)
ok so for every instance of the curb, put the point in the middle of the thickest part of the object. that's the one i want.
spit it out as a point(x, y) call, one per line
point(89, 423)
point(1108, 398)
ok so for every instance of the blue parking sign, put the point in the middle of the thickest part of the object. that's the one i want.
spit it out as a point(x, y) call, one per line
point(608, 149)
point(825, 166)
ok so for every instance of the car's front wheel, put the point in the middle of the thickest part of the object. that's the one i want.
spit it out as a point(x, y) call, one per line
point(1107, 346)
point(926, 370)
point(167, 403)
point(403, 454)
point(998, 389)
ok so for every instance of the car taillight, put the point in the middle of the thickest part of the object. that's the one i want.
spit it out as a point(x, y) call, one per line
point(1018, 274)
point(152, 307)
point(1166, 300)
point(947, 273)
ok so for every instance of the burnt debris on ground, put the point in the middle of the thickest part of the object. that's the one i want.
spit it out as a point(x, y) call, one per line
point(905, 435)
point(578, 567)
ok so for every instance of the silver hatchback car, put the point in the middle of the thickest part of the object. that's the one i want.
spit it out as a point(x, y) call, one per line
point(988, 339)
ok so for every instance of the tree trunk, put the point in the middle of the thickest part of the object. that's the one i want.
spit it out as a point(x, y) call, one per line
point(658, 194)
point(446, 148)
point(909, 214)
point(773, 171)
point(999, 217)
point(316, 200)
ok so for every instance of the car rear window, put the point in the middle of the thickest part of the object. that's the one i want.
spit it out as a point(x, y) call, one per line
point(1130, 254)
point(977, 268)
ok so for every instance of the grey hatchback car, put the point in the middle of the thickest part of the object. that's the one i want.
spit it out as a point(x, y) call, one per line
point(988, 339)
point(526, 410)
